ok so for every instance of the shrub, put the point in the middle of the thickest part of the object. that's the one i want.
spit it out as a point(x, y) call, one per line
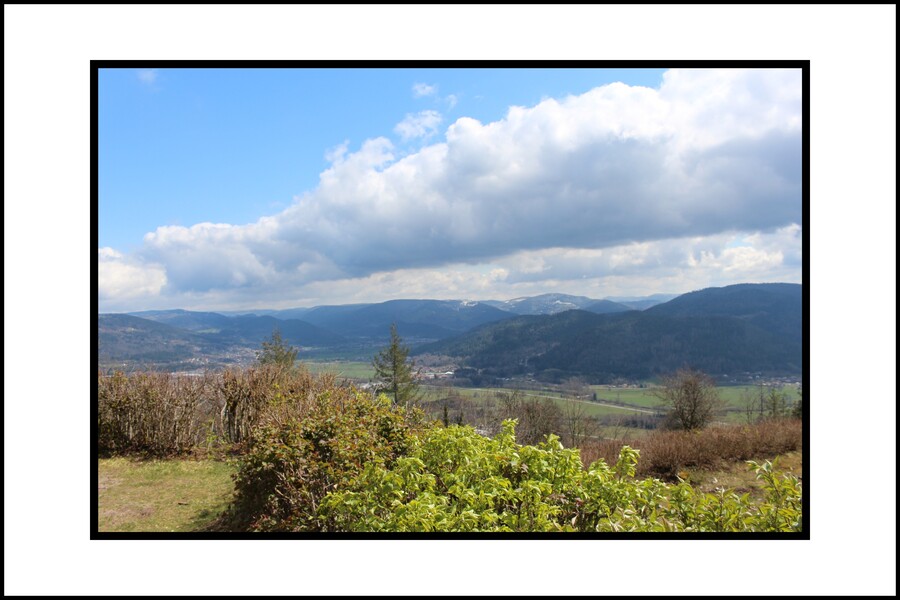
point(456, 480)
point(665, 453)
point(153, 413)
point(246, 394)
point(167, 413)
point(293, 462)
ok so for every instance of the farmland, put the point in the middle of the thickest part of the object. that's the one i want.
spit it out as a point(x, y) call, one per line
point(611, 400)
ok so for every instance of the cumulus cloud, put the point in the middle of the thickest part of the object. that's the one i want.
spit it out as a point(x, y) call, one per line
point(619, 180)
point(676, 265)
point(423, 89)
point(758, 256)
point(423, 124)
point(122, 278)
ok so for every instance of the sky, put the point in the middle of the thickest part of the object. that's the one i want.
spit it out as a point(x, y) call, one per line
point(233, 189)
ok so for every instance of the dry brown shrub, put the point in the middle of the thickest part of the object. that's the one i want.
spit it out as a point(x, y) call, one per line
point(167, 413)
point(665, 453)
point(153, 413)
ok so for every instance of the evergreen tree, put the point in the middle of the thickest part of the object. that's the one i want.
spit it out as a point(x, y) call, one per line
point(797, 411)
point(276, 352)
point(395, 373)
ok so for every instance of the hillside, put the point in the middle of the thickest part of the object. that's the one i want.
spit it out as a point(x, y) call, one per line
point(186, 319)
point(130, 338)
point(606, 306)
point(775, 307)
point(749, 329)
point(431, 319)
point(545, 304)
point(243, 329)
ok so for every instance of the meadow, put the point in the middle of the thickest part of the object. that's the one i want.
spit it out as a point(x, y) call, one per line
point(162, 494)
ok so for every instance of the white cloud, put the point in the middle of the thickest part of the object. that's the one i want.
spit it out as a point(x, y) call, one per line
point(423, 89)
point(337, 153)
point(423, 124)
point(122, 278)
point(771, 256)
point(620, 183)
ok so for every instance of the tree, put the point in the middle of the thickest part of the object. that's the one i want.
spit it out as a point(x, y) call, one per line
point(395, 372)
point(577, 425)
point(276, 352)
point(768, 402)
point(691, 397)
point(797, 411)
point(537, 417)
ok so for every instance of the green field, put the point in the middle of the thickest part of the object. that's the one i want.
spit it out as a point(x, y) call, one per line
point(593, 409)
point(348, 369)
point(732, 395)
point(622, 401)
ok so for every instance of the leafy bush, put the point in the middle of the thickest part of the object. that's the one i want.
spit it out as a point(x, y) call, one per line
point(454, 479)
point(294, 462)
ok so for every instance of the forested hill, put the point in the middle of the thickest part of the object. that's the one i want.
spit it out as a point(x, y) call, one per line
point(126, 337)
point(775, 307)
point(737, 329)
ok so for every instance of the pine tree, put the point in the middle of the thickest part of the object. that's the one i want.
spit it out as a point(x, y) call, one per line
point(276, 352)
point(395, 372)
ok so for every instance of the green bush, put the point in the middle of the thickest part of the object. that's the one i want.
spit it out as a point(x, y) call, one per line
point(293, 463)
point(454, 479)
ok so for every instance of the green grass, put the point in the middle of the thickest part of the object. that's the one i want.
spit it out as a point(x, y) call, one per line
point(348, 369)
point(483, 394)
point(732, 395)
point(640, 397)
point(162, 495)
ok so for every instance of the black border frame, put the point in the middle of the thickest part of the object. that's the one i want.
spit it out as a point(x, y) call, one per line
point(96, 65)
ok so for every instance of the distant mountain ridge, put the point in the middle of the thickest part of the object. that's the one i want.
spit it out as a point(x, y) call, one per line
point(747, 328)
point(126, 337)
point(545, 304)
point(417, 318)
point(244, 328)
point(774, 307)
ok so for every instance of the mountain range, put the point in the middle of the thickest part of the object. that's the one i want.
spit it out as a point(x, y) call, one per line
point(739, 328)
point(736, 329)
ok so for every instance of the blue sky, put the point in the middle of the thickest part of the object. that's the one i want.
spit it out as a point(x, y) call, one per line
point(272, 188)
point(183, 146)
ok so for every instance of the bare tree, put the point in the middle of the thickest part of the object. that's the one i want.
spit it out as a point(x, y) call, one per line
point(537, 418)
point(691, 397)
point(577, 424)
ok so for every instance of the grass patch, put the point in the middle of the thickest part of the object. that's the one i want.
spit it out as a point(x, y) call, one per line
point(738, 476)
point(162, 495)
point(483, 395)
point(348, 369)
point(732, 395)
